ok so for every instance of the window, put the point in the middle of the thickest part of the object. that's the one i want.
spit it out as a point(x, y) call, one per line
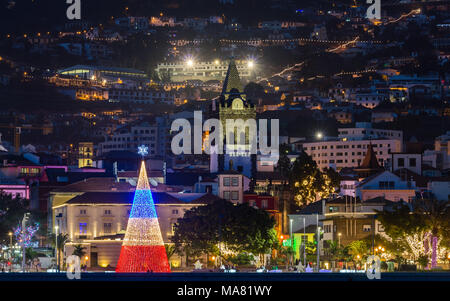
point(107, 212)
point(235, 195)
point(386, 185)
point(235, 181)
point(334, 209)
point(82, 211)
point(412, 162)
point(226, 195)
point(401, 162)
point(367, 228)
point(83, 228)
point(175, 211)
point(264, 204)
point(107, 228)
point(226, 181)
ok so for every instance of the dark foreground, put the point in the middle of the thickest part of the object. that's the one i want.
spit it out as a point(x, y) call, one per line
point(232, 277)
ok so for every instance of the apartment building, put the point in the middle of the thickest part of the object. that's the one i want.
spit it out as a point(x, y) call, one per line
point(204, 71)
point(347, 219)
point(352, 144)
point(129, 137)
point(350, 153)
point(232, 186)
point(141, 96)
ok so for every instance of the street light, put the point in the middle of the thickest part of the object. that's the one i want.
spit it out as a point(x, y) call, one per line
point(56, 247)
point(292, 239)
point(339, 239)
point(250, 64)
point(190, 63)
point(10, 249)
point(319, 135)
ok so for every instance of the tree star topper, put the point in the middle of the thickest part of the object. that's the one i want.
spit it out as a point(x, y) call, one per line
point(143, 150)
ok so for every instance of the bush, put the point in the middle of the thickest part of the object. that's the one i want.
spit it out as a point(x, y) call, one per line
point(242, 259)
point(407, 267)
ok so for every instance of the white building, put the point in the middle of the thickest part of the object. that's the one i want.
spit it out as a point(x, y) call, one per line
point(412, 162)
point(232, 186)
point(98, 221)
point(204, 71)
point(387, 185)
point(440, 189)
point(364, 130)
point(370, 100)
point(349, 149)
point(142, 96)
point(129, 137)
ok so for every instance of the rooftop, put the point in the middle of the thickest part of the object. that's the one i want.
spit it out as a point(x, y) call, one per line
point(127, 198)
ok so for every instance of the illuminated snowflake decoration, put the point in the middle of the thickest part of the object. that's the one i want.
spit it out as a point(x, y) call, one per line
point(143, 150)
point(25, 237)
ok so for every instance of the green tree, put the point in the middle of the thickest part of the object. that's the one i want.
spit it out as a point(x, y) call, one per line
point(239, 228)
point(59, 241)
point(308, 182)
point(358, 247)
point(411, 223)
point(170, 250)
point(79, 251)
point(12, 211)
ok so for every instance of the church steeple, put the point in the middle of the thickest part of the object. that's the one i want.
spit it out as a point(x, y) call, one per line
point(369, 165)
point(232, 79)
point(370, 160)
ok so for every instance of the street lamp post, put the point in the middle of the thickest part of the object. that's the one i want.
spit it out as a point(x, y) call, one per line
point(292, 240)
point(24, 223)
point(56, 248)
point(317, 247)
point(10, 250)
point(304, 242)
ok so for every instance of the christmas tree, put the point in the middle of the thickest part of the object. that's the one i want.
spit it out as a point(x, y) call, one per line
point(143, 247)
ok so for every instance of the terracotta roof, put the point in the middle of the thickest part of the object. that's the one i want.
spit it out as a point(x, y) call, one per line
point(406, 175)
point(97, 184)
point(313, 208)
point(127, 198)
point(370, 160)
point(261, 175)
point(134, 174)
point(308, 229)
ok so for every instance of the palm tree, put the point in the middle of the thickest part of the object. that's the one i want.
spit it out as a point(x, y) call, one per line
point(170, 250)
point(435, 215)
point(79, 251)
point(333, 251)
point(61, 240)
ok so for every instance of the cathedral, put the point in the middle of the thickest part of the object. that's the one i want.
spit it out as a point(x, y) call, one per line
point(233, 104)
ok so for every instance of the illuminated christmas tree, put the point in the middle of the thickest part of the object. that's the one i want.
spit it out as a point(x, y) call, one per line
point(143, 247)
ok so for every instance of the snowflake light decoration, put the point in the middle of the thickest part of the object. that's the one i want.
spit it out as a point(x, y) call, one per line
point(24, 237)
point(143, 150)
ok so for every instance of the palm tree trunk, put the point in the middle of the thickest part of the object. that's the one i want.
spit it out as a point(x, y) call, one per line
point(434, 240)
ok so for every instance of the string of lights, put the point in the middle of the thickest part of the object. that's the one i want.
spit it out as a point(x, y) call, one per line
point(143, 247)
point(25, 237)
